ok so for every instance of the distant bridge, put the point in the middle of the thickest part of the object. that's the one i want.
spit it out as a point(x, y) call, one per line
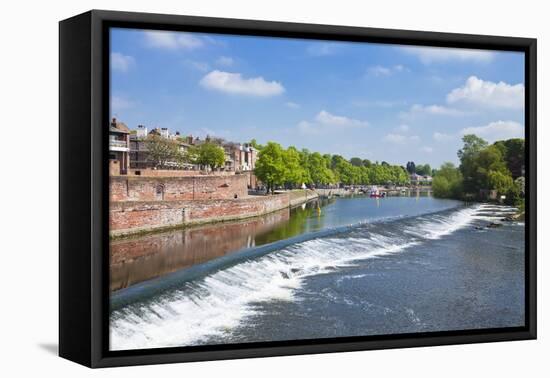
point(405, 191)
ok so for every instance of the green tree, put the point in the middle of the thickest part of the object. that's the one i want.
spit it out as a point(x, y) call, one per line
point(271, 166)
point(355, 161)
point(469, 164)
point(513, 151)
point(161, 150)
point(447, 182)
point(209, 154)
point(319, 171)
point(296, 173)
point(499, 181)
point(424, 170)
point(255, 144)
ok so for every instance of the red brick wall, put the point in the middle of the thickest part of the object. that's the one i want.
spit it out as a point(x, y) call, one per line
point(136, 188)
point(131, 216)
point(171, 173)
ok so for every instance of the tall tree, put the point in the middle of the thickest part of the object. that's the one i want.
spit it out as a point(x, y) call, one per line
point(271, 166)
point(411, 167)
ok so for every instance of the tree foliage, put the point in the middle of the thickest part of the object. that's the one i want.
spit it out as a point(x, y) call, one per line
point(271, 166)
point(292, 168)
point(161, 150)
point(483, 167)
point(447, 182)
point(209, 154)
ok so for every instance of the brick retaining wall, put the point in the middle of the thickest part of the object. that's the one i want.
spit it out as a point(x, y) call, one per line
point(136, 188)
point(135, 216)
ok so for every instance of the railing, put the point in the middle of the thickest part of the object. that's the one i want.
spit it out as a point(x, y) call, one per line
point(118, 143)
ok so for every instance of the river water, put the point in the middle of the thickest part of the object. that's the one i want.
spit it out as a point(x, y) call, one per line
point(345, 267)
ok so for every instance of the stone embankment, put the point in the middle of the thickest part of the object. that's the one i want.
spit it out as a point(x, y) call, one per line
point(147, 204)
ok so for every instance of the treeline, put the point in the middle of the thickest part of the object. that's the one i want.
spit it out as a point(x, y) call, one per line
point(290, 168)
point(484, 168)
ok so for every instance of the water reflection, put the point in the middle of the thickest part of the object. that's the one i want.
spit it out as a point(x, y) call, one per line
point(142, 258)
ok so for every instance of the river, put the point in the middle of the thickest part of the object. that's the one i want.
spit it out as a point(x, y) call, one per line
point(333, 268)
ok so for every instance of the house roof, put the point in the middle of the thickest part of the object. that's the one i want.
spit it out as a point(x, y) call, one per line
point(118, 130)
point(119, 127)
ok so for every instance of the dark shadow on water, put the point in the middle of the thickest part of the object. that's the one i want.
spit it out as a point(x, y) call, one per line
point(51, 348)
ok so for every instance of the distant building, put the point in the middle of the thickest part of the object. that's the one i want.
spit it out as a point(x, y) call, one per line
point(119, 148)
point(141, 131)
point(420, 180)
point(238, 157)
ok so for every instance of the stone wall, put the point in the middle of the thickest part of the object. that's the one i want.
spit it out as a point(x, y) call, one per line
point(136, 188)
point(135, 216)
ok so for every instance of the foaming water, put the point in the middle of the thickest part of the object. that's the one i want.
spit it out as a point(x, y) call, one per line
point(218, 302)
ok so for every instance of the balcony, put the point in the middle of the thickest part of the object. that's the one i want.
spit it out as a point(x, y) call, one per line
point(118, 145)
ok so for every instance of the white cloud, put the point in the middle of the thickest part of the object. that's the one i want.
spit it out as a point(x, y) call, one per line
point(292, 105)
point(386, 71)
point(427, 149)
point(498, 130)
point(234, 83)
point(327, 118)
point(225, 61)
point(442, 137)
point(326, 122)
point(172, 40)
point(121, 62)
point(428, 55)
point(120, 103)
point(488, 94)
point(401, 139)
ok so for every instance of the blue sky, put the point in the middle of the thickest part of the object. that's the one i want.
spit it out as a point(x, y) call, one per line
point(379, 102)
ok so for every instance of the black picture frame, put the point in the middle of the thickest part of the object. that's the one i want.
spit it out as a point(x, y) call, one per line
point(83, 178)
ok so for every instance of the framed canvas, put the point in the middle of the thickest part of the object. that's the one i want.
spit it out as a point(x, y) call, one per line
point(235, 188)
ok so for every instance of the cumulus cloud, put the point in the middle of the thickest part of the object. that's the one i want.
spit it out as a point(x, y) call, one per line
point(429, 55)
point(479, 92)
point(172, 40)
point(401, 139)
point(386, 70)
point(498, 130)
point(327, 118)
point(121, 62)
point(403, 128)
point(235, 83)
point(326, 122)
point(225, 61)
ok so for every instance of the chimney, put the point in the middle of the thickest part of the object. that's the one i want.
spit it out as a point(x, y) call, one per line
point(113, 122)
